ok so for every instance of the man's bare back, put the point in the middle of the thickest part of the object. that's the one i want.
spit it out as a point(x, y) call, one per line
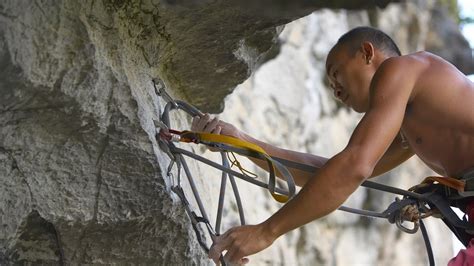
point(439, 117)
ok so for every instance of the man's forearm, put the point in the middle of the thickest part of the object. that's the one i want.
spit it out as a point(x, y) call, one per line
point(300, 177)
point(321, 195)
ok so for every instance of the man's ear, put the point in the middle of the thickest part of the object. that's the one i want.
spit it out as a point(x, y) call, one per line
point(368, 51)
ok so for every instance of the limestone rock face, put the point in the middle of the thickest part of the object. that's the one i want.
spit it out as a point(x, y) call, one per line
point(82, 179)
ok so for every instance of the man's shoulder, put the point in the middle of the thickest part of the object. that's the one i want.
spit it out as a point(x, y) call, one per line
point(400, 73)
point(409, 61)
point(406, 67)
point(420, 60)
point(415, 71)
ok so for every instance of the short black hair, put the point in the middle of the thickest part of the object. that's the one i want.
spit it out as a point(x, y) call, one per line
point(378, 38)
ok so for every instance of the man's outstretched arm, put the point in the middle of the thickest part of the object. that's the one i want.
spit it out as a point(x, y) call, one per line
point(394, 156)
point(206, 124)
point(342, 174)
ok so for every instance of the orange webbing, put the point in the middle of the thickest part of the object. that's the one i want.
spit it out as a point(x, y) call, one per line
point(457, 184)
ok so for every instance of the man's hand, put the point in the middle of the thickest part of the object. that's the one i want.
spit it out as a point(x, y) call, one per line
point(241, 241)
point(206, 124)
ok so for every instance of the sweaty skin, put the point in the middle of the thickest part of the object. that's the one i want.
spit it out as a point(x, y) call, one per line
point(418, 95)
point(439, 119)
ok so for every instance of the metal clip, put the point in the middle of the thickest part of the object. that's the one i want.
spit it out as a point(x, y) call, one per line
point(160, 125)
point(408, 213)
point(170, 168)
point(160, 88)
point(399, 223)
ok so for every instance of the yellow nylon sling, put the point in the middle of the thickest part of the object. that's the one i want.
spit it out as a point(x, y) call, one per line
point(187, 136)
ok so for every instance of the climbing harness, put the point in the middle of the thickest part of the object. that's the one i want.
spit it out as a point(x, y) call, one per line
point(433, 197)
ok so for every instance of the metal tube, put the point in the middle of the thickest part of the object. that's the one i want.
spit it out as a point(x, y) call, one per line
point(393, 190)
point(234, 173)
point(193, 187)
point(220, 204)
point(235, 189)
point(363, 212)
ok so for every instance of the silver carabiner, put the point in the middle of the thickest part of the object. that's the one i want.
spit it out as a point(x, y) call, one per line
point(399, 222)
point(159, 125)
point(160, 88)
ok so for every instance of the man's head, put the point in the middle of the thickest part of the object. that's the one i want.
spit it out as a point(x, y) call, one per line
point(353, 61)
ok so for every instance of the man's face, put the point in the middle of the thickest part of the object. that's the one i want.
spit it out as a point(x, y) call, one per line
point(349, 77)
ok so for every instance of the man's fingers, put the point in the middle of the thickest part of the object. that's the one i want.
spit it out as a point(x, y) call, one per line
point(211, 125)
point(214, 254)
point(203, 122)
point(227, 257)
point(217, 248)
point(194, 123)
point(217, 130)
point(220, 244)
point(232, 255)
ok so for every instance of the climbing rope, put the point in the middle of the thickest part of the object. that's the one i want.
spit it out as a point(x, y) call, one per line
point(414, 206)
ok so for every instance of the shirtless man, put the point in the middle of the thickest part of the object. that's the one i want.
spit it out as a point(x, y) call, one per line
point(418, 98)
